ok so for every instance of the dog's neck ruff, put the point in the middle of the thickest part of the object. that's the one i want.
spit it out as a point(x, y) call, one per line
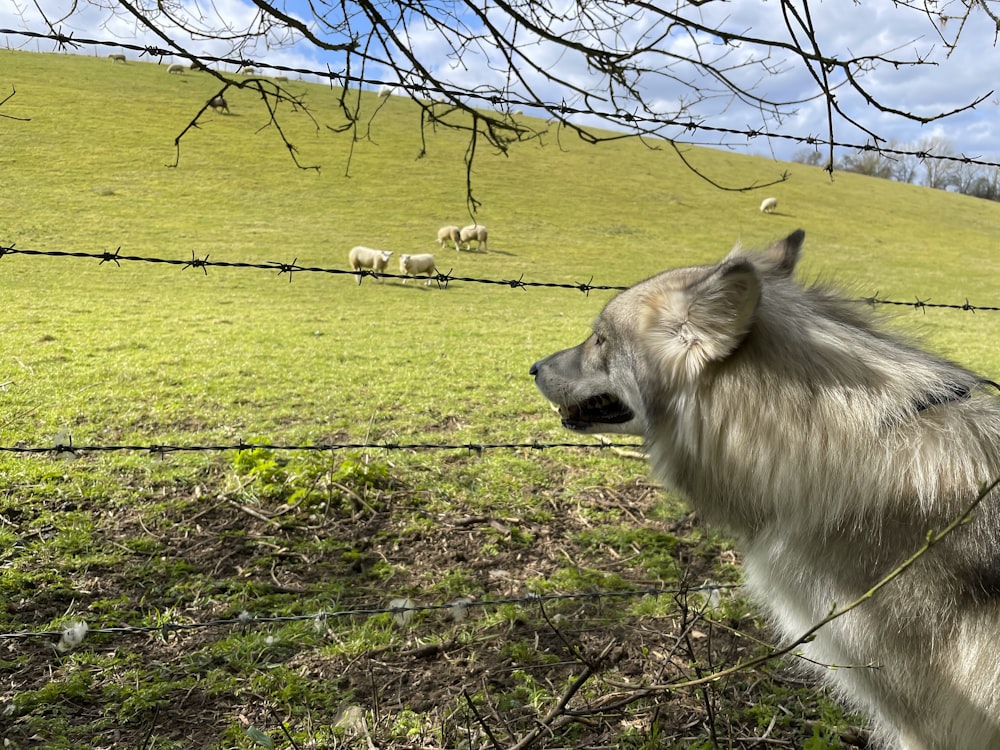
point(956, 392)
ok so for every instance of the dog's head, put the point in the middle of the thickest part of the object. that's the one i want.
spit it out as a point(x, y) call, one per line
point(659, 336)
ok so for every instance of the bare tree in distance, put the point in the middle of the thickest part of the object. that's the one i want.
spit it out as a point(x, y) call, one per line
point(906, 165)
point(872, 163)
point(987, 184)
point(938, 174)
point(675, 73)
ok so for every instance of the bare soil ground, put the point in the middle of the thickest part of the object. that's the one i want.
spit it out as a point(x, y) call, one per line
point(583, 672)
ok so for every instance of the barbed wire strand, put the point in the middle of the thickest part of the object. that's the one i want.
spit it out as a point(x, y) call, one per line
point(246, 619)
point(163, 449)
point(68, 40)
point(442, 279)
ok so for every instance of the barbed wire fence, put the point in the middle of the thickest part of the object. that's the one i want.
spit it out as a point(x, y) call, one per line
point(65, 447)
point(401, 610)
point(442, 279)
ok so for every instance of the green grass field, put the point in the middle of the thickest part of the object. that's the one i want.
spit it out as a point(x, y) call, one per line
point(146, 354)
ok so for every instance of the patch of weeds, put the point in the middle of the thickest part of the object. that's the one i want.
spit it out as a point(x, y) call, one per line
point(112, 606)
point(262, 473)
point(829, 722)
point(70, 685)
point(728, 607)
point(823, 738)
point(526, 653)
point(288, 688)
point(578, 579)
point(312, 483)
point(351, 637)
point(454, 583)
point(526, 692)
point(502, 616)
point(143, 546)
point(658, 549)
point(406, 725)
point(359, 472)
point(136, 696)
point(778, 704)
point(45, 582)
point(508, 536)
point(652, 606)
point(267, 647)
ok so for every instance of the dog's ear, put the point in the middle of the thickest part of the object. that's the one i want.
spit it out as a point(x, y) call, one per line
point(704, 322)
point(722, 306)
point(781, 258)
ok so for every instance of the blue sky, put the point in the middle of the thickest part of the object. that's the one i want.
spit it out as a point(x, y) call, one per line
point(843, 29)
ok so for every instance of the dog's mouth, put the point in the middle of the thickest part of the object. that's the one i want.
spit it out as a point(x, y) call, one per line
point(601, 409)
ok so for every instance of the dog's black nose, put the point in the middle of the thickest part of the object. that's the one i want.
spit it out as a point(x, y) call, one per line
point(534, 370)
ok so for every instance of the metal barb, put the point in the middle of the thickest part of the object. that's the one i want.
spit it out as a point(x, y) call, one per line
point(113, 257)
point(288, 268)
point(201, 263)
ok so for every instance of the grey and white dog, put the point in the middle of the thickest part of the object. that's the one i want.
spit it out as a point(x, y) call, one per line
point(829, 447)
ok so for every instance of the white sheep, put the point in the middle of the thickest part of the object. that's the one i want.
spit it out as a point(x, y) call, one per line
point(386, 90)
point(281, 79)
point(175, 68)
point(365, 257)
point(449, 233)
point(116, 57)
point(768, 205)
point(246, 70)
point(218, 103)
point(475, 232)
point(413, 265)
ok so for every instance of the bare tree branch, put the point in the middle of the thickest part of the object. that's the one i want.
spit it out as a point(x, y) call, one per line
point(674, 71)
point(6, 99)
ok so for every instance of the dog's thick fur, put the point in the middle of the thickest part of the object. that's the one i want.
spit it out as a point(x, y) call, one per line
point(829, 447)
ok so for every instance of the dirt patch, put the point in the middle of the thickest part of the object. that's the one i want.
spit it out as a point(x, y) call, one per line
point(204, 572)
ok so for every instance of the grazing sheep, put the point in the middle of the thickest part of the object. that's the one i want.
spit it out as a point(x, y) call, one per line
point(768, 205)
point(475, 232)
point(365, 257)
point(246, 70)
point(449, 233)
point(281, 78)
point(413, 265)
point(116, 57)
point(175, 68)
point(198, 65)
point(386, 90)
point(218, 103)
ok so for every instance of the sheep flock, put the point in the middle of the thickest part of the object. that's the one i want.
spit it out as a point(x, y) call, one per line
point(365, 260)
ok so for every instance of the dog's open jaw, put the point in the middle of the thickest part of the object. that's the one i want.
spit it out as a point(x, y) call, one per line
point(601, 409)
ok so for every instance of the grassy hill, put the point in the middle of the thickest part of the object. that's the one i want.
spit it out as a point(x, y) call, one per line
point(142, 353)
